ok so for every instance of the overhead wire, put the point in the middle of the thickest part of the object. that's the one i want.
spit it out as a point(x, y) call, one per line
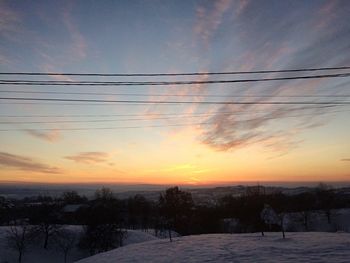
point(182, 102)
point(160, 102)
point(174, 95)
point(108, 128)
point(153, 114)
point(159, 118)
point(132, 127)
point(173, 74)
point(160, 83)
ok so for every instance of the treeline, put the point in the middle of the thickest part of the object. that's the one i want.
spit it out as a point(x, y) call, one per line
point(105, 219)
point(175, 209)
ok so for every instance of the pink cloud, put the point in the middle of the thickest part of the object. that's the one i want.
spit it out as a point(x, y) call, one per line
point(51, 136)
point(89, 157)
point(25, 164)
point(47, 67)
point(9, 21)
point(326, 14)
point(79, 46)
point(77, 49)
point(178, 93)
point(4, 60)
point(241, 6)
point(208, 21)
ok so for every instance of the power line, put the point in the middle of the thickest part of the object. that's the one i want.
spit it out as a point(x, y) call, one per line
point(112, 115)
point(100, 104)
point(184, 102)
point(70, 104)
point(107, 128)
point(171, 74)
point(155, 114)
point(127, 127)
point(161, 118)
point(160, 83)
point(174, 95)
point(109, 120)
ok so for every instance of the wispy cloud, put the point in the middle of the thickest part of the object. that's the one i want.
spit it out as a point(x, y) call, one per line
point(10, 30)
point(179, 93)
point(89, 157)
point(4, 60)
point(269, 126)
point(9, 21)
point(286, 44)
point(49, 67)
point(241, 5)
point(79, 45)
point(345, 160)
point(326, 14)
point(51, 136)
point(25, 164)
point(209, 19)
point(75, 48)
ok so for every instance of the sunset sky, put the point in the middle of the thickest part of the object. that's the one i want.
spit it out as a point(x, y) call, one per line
point(182, 143)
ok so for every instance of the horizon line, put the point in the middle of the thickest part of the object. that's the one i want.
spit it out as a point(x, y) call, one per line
point(228, 183)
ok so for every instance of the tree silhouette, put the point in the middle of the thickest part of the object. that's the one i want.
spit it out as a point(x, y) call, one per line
point(103, 228)
point(65, 241)
point(18, 238)
point(46, 222)
point(72, 197)
point(176, 207)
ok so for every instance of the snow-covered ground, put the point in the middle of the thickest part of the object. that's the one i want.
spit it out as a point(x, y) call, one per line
point(142, 246)
point(297, 247)
point(36, 254)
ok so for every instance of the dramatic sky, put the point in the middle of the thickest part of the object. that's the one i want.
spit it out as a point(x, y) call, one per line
point(182, 143)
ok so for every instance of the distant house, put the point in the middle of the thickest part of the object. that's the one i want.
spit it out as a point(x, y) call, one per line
point(69, 209)
point(69, 213)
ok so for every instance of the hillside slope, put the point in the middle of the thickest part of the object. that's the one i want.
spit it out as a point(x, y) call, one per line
point(36, 254)
point(297, 247)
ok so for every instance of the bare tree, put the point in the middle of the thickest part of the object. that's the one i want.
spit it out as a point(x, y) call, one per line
point(176, 207)
point(305, 203)
point(270, 217)
point(104, 194)
point(47, 229)
point(18, 237)
point(72, 197)
point(65, 241)
point(282, 217)
point(103, 228)
point(5, 208)
point(326, 200)
point(102, 237)
point(45, 219)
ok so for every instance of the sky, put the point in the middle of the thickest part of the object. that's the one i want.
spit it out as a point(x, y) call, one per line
point(196, 143)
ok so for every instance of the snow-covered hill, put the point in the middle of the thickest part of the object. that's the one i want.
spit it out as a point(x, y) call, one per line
point(297, 247)
point(36, 254)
